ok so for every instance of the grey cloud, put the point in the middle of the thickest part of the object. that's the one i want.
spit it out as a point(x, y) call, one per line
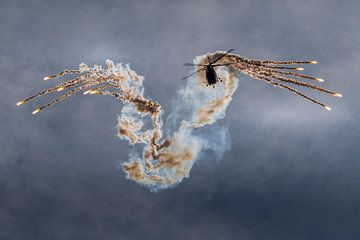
point(292, 171)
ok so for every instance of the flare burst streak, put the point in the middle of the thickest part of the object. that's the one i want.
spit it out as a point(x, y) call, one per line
point(165, 161)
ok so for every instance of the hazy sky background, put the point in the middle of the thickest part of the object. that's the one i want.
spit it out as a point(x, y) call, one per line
point(293, 171)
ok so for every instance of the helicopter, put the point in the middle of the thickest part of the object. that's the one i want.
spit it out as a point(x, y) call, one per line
point(209, 68)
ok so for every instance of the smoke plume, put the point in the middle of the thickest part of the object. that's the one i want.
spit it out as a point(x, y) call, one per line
point(166, 161)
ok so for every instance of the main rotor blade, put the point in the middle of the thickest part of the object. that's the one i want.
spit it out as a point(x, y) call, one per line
point(224, 64)
point(192, 64)
point(223, 55)
point(192, 73)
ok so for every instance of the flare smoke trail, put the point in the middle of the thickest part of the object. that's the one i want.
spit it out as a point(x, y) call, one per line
point(166, 160)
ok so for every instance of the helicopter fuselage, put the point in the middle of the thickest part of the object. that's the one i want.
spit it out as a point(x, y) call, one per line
point(211, 76)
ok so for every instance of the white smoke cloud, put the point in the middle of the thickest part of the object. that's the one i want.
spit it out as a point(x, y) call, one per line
point(195, 107)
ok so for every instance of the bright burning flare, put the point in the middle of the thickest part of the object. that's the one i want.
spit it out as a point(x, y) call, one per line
point(19, 103)
point(36, 111)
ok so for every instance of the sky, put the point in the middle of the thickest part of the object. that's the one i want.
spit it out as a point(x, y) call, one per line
point(293, 168)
